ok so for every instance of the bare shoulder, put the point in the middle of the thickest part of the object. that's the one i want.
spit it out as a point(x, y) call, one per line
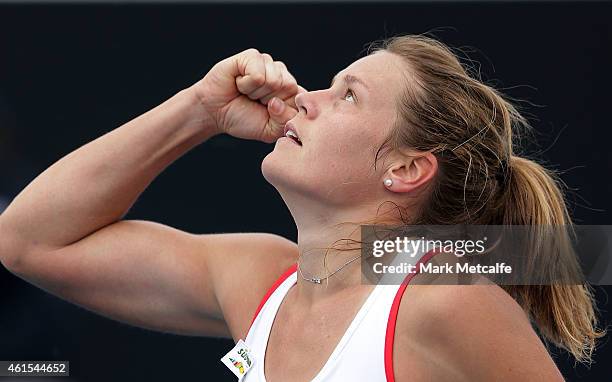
point(476, 332)
point(243, 266)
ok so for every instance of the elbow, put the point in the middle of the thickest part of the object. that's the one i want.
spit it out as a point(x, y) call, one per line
point(10, 251)
point(10, 264)
point(8, 256)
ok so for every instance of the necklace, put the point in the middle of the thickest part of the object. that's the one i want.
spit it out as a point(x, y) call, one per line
point(316, 280)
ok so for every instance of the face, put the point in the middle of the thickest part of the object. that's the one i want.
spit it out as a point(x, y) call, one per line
point(340, 128)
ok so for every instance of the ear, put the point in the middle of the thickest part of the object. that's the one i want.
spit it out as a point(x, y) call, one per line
point(412, 173)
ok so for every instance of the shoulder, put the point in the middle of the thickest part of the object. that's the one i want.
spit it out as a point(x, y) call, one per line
point(244, 266)
point(476, 331)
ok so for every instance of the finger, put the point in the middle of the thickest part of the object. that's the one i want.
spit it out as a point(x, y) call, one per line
point(274, 80)
point(274, 93)
point(284, 80)
point(272, 131)
point(280, 112)
point(252, 67)
point(289, 86)
point(291, 100)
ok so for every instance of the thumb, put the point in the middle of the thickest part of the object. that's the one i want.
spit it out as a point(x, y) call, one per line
point(279, 113)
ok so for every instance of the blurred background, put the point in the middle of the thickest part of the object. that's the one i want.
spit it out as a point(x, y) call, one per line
point(71, 72)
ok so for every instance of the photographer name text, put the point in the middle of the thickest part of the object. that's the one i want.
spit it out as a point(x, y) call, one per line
point(459, 268)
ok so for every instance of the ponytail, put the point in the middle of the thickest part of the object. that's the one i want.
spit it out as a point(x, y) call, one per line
point(564, 313)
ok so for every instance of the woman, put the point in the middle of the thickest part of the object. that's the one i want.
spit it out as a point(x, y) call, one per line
point(405, 124)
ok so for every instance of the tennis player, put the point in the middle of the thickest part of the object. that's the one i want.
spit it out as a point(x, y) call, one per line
point(404, 135)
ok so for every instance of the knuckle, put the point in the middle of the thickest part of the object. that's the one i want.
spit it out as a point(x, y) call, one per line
point(276, 83)
point(258, 79)
point(291, 86)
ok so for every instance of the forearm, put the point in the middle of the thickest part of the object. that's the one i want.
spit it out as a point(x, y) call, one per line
point(97, 184)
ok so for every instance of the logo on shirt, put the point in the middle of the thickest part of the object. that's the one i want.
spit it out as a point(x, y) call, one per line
point(245, 355)
point(237, 365)
point(239, 360)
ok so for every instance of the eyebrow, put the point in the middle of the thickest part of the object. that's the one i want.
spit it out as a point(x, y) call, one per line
point(350, 79)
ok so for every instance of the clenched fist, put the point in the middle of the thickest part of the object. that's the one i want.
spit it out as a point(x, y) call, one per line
point(249, 95)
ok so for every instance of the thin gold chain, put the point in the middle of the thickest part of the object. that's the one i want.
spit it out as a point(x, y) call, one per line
point(316, 280)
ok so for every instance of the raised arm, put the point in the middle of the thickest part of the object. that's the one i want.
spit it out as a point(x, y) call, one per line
point(64, 232)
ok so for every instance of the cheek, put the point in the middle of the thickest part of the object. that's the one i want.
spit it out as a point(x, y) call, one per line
point(346, 136)
point(346, 157)
point(355, 144)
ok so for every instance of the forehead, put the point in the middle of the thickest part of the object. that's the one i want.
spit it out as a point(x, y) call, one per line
point(384, 74)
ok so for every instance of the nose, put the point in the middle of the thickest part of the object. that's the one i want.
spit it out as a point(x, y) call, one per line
point(306, 102)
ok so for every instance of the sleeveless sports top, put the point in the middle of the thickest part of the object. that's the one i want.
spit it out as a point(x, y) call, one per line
point(364, 352)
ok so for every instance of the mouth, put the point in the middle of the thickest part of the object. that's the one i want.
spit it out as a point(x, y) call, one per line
point(291, 133)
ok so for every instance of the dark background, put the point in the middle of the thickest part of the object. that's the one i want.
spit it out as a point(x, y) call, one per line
point(69, 73)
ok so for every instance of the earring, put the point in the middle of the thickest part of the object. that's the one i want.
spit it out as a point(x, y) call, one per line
point(388, 182)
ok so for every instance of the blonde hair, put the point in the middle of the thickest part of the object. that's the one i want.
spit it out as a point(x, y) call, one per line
point(471, 127)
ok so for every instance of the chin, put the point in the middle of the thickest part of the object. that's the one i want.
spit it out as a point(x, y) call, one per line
point(283, 174)
point(274, 169)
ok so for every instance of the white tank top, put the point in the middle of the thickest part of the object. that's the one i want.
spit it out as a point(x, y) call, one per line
point(364, 352)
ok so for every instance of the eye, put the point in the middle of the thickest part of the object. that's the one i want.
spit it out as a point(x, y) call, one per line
point(350, 96)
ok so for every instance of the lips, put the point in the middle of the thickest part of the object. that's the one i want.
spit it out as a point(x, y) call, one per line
point(291, 132)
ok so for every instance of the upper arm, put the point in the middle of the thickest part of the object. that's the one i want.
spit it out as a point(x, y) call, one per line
point(478, 332)
point(250, 263)
point(142, 273)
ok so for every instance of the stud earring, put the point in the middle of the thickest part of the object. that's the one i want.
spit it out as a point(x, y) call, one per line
point(388, 182)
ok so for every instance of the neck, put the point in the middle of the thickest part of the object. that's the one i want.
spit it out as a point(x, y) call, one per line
point(328, 238)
